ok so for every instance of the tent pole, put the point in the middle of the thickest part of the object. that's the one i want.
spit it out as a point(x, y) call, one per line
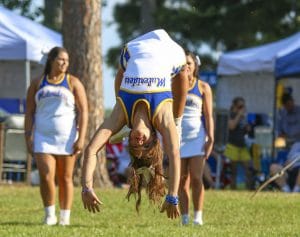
point(27, 81)
point(274, 117)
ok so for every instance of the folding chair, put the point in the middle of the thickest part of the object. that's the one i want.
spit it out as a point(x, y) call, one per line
point(14, 157)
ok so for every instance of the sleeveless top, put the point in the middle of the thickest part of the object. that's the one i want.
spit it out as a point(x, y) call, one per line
point(193, 119)
point(149, 63)
point(55, 117)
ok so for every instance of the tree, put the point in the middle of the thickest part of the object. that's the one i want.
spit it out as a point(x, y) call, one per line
point(217, 24)
point(82, 38)
point(148, 9)
point(23, 6)
point(53, 14)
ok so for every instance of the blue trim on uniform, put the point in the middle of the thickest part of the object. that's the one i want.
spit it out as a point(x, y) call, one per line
point(195, 89)
point(124, 57)
point(154, 100)
point(63, 83)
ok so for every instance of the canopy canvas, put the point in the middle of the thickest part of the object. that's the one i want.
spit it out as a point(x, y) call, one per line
point(251, 73)
point(261, 59)
point(22, 44)
point(24, 39)
point(288, 65)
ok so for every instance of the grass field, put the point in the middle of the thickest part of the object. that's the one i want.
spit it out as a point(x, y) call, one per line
point(226, 213)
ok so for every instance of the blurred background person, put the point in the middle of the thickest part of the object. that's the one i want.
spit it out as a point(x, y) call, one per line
point(55, 128)
point(289, 120)
point(290, 181)
point(197, 141)
point(118, 159)
point(236, 148)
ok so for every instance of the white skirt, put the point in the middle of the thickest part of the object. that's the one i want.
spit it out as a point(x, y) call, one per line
point(192, 147)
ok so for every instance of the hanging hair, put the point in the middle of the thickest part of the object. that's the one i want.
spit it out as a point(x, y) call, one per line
point(52, 55)
point(235, 102)
point(286, 97)
point(196, 62)
point(146, 170)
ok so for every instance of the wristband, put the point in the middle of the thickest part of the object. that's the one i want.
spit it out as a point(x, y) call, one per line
point(86, 190)
point(172, 199)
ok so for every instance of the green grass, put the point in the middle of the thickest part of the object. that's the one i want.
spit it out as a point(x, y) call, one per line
point(226, 213)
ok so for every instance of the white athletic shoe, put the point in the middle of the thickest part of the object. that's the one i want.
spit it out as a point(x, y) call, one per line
point(64, 221)
point(198, 222)
point(50, 220)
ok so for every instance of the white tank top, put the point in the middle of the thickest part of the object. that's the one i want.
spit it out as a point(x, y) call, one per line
point(150, 61)
point(55, 123)
point(192, 121)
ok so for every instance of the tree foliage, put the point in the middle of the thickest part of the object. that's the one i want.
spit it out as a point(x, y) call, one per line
point(219, 24)
point(23, 6)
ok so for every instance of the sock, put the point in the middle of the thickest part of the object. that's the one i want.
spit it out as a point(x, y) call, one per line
point(65, 214)
point(198, 216)
point(185, 219)
point(296, 189)
point(286, 188)
point(50, 210)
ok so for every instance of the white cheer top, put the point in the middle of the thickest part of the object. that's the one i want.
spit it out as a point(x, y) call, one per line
point(55, 123)
point(150, 61)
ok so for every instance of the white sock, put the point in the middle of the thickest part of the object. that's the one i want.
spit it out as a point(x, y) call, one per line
point(198, 216)
point(296, 189)
point(65, 214)
point(50, 210)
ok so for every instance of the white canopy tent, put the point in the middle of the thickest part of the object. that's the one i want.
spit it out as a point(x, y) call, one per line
point(22, 44)
point(251, 73)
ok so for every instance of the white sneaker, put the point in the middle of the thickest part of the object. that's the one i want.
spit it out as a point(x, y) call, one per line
point(64, 221)
point(198, 222)
point(50, 220)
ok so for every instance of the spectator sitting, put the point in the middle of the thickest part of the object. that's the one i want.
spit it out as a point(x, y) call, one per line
point(289, 120)
point(290, 181)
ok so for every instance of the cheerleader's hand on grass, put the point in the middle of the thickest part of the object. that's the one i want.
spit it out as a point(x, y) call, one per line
point(90, 200)
point(171, 207)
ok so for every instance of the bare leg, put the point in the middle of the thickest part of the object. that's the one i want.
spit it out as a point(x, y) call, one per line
point(184, 187)
point(196, 168)
point(65, 168)
point(233, 165)
point(46, 166)
point(281, 181)
point(248, 177)
point(207, 175)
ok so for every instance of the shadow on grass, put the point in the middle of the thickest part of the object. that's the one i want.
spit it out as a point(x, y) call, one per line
point(16, 223)
point(20, 223)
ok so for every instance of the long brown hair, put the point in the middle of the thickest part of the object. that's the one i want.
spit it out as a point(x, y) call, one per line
point(146, 170)
point(194, 57)
point(52, 55)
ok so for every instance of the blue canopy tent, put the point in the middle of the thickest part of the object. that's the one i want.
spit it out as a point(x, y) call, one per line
point(254, 73)
point(22, 44)
point(251, 72)
point(288, 65)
